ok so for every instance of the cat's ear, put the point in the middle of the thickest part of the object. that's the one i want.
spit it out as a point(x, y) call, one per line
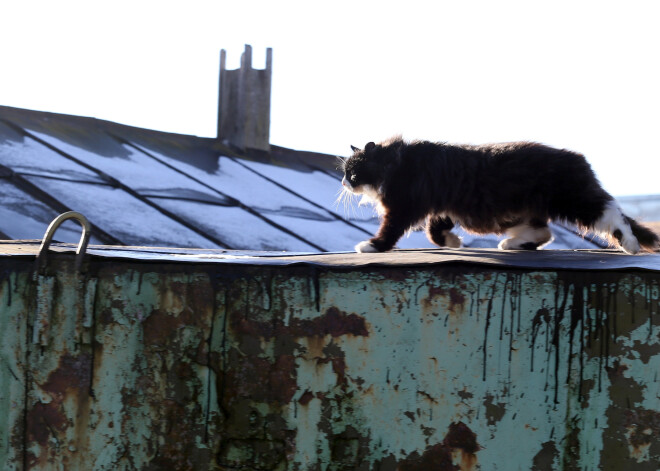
point(370, 146)
point(355, 149)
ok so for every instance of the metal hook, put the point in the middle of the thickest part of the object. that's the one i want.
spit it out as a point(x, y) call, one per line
point(50, 232)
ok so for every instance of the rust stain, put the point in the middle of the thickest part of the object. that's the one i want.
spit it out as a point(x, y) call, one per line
point(305, 398)
point(314, 347)
point(427, 397)
point(262, 454)
point(46, 421)
point(333, 322)
point(399, 276)
point(180, 305)
point(437, 291)
point(632, 431)
point(43, 420)
point(160, 326)
point(174, 450)
point(643, 430)
point(73, 373)
point(427, 301)
point(456, 298)
point(337, 358)
point(454, 295)
point(460, 436)
point(338, 368)
point(347, 448)
point(440, 457)
point(258, 378)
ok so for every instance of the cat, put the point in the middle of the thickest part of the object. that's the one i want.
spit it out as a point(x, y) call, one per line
point(511, 188)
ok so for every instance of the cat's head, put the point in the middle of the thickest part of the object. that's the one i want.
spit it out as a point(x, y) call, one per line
point(365, 171)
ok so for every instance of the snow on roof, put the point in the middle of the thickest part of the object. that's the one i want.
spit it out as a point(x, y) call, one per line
point(147, 188)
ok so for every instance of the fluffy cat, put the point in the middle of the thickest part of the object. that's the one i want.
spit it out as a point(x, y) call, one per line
point(512, 188)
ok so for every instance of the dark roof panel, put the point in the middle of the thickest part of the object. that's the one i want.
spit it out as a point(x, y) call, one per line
point(126, 217)
point(27, 156)
point(233, 226)
point(24, 217)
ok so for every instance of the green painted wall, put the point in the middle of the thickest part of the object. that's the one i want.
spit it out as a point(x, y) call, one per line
point(197, 366)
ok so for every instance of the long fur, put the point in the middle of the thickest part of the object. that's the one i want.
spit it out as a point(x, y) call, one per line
point(513, 188)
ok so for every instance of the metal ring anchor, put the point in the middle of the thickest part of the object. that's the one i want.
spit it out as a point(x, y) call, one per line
point(50, 232)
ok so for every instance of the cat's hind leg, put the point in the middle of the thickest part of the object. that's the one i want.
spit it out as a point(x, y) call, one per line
point(613, 224)
point(438, 231)
point(529, 235)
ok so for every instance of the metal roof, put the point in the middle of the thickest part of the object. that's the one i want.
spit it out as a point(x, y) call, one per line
point(147, 188)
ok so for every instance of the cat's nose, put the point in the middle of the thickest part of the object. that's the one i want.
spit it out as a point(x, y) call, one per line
point(343, 181)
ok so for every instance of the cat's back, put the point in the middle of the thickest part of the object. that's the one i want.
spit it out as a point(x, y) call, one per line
point(533, 157)
point(518, 150)
point(474, 155)
point(504, 163)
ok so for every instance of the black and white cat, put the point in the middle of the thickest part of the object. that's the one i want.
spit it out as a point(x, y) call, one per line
point(512, 188)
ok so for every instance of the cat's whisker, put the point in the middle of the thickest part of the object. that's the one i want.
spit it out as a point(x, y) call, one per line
point(348, 203)
point(346, 199)
point(341, 163)
point(340, 196)
point(338, 199)
point(351, 204)
point(342, 199)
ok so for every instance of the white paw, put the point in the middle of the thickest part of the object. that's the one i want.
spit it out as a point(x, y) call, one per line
point(630, 245)
point(508, 244)
point(515, 243)
point(365, 247)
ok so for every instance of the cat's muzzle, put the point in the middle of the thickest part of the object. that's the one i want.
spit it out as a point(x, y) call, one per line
point(346, 184)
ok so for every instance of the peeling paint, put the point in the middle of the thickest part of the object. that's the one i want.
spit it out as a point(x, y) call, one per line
point(546, 458)
point(494, 411)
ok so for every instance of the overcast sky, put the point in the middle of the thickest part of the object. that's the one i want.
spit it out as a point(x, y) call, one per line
point(583, 75)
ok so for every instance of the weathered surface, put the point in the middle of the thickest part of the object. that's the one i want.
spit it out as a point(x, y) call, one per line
point(244, 103)
point(13, 324)
point(199, 366)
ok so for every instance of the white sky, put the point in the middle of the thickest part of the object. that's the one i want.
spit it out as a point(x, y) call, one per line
point(584, 75)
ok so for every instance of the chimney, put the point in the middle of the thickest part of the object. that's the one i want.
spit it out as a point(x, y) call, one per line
point(244, 103)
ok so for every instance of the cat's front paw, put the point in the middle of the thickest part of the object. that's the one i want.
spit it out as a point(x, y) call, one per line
point(365, 247)
point(506, 244)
